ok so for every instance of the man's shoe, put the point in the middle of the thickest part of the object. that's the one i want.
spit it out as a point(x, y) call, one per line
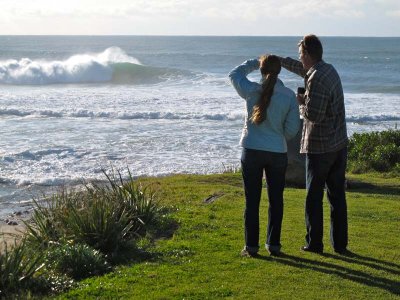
point(274, 252)
point(344, 252)
point(310, 249)
point(246, 253)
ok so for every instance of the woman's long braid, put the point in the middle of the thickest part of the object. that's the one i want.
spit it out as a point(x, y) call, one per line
point(270, 68)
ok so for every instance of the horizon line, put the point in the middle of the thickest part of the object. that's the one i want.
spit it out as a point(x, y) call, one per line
point(197, 35)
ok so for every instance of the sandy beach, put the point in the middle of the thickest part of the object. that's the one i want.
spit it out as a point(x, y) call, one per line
point(11, 227)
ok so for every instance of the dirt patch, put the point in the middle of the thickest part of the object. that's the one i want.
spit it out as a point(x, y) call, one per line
point(212, 198)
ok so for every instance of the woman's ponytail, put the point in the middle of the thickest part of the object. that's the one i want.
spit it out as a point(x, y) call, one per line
point(270, 67)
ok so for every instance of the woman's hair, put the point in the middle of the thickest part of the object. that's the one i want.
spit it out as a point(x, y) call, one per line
point(270, 67)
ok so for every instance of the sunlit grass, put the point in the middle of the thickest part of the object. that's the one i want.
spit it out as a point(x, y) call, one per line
point(201, 260)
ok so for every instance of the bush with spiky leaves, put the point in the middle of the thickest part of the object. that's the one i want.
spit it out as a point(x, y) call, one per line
point(103, 216)
point(18, 266)
point(79, 234)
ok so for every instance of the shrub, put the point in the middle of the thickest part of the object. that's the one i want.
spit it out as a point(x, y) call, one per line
point(103, 216)
point(77, 261)
point(79, 233)
point(135, 198)
point(374, 151)
point(17, 268)
point(50, 282)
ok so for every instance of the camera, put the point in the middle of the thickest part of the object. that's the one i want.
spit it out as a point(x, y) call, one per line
point(301, 91)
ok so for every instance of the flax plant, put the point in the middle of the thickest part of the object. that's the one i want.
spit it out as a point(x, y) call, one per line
point(103, 216)
point(17, 268)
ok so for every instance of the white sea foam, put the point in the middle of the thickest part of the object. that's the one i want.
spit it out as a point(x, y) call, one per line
point(81, 68)
point(84, 113)
point(373, 118)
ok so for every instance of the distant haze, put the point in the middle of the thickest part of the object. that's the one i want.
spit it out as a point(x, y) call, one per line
point(201, 17)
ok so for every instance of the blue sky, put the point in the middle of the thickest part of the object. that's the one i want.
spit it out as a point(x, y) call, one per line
point(201, 17)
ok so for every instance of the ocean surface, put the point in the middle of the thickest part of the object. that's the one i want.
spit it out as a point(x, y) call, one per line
point(71, 106)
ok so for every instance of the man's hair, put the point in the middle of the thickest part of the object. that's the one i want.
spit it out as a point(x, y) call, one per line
point(312, 45)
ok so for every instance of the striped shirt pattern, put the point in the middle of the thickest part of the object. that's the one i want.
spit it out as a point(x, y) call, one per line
point(324, 126)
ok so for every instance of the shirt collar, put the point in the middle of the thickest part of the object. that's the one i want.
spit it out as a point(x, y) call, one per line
point(314, 67)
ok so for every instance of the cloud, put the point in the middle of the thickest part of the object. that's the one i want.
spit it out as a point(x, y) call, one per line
point(243, 9)
point(222, 9)
point(395, 13)
point(318, 8)
point(390, 8)
point(198, 17)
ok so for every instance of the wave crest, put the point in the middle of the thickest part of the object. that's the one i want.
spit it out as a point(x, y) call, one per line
point(112, 65)
point(374, 118)
point(84, 113)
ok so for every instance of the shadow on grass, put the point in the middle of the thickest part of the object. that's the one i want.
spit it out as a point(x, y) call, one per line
point(133, 253)
point(390, 285)
point(370, 262)
point(369, 188)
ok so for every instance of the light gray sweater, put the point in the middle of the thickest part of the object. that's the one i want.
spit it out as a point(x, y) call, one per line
point(282, 121)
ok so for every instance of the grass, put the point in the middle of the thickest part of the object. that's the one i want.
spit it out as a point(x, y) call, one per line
point(201, 259)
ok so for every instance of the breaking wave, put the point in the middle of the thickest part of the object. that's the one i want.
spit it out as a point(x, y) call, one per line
point(232, 116)
point(376, 118)
point(112, 65)
point(122, 115)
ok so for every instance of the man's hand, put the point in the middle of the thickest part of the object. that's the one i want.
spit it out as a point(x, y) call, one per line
point(300, 99)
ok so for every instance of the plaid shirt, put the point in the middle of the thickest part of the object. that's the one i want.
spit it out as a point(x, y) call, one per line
point(324, 127)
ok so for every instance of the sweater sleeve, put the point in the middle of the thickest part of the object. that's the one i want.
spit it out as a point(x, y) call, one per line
point(293, 66)
point(239, 80)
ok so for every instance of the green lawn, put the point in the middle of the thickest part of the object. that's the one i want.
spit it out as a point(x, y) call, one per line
point(201, 260)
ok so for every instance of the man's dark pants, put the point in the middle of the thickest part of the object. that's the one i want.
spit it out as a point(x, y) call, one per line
point(254, 163)
point(327, 169)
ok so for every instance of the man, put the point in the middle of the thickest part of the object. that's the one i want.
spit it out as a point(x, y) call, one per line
point(324, 141)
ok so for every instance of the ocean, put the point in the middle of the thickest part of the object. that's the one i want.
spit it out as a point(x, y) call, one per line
point(72, 106)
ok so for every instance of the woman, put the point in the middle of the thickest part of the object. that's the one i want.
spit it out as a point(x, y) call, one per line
point(272, 116)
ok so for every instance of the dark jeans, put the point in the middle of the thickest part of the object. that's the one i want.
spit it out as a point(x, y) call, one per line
point(254, 163)
point(326, 169)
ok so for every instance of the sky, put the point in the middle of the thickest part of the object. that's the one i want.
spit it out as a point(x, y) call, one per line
point(201, 17)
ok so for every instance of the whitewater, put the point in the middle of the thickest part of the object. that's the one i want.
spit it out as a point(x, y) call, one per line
point(71, 107)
